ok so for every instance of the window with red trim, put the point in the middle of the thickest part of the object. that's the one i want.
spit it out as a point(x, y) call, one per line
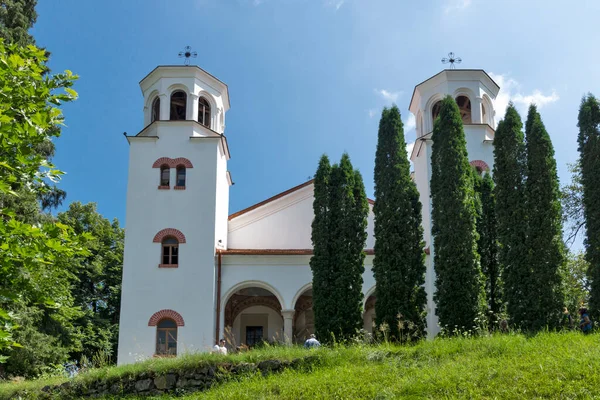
point(165, 175)
point(166, 338)
point(170, 251)
point(181, 176)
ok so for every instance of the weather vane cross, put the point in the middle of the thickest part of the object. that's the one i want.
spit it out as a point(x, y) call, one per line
point(187, 53)
point(451, 60)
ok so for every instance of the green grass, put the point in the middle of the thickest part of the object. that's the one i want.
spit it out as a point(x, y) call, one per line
point(499, 367)
point(159, 365)
point(549, 365)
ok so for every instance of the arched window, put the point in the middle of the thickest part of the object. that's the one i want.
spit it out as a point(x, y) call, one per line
point(165, 175)
point(155, 110)
point(166, 337)
point(464, 105)
point(181, 176)
point(435, 110)
point(170, 251)
point(178, 105)
point(204, 112)
point(483, 116)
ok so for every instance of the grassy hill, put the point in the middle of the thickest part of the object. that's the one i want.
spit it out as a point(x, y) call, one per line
point(548, 365)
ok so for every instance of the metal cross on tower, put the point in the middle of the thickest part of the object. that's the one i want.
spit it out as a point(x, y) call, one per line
point(451, 60)
point(187, 53)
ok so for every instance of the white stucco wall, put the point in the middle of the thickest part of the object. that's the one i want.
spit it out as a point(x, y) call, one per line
point(273, 332)
point(284, 223)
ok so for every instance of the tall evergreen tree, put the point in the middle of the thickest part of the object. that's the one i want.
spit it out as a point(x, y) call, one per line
point(399, 264)
point(338, 235)
point(16, 18)
point(459, 283)
point(545, 244)
point(510, 165)
point(320, 261)
point(589, 159)
point(487, 246)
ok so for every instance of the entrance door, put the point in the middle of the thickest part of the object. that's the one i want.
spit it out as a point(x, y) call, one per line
point(254, 335)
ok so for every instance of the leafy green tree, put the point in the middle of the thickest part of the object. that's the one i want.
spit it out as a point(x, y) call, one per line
point(16, 18)
point(576, 285)
point(572, 204)
point(589, 160)
point(510, 166)
point(544, 238)
point(341, 211)
point(487, 246)
point(28, 117)
point(459, 282)
point(399, 264)
point(97, 285)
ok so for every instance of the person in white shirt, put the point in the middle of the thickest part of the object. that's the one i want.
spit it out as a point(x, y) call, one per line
point(220, 347)
point(312, 342)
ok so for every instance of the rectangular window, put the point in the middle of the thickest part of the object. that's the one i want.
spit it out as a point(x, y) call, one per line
point(254, 335)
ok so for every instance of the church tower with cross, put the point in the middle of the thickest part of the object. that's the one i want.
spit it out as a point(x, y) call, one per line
point(474, 91)
point(177, 207)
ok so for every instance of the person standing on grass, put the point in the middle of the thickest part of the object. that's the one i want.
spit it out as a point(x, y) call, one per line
point(311, 342)
point(585, 324)
point(220, 348)
point(567, 318)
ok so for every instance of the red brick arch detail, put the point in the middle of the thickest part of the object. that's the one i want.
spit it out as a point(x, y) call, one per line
point(158, 238)
point(172, 162)
point(481, 164)
point(162, 314)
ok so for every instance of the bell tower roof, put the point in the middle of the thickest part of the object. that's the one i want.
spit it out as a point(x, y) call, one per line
point(448, 79)
point(186, 71)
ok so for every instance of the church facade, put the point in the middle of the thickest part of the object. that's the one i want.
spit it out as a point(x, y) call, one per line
point(193, 273)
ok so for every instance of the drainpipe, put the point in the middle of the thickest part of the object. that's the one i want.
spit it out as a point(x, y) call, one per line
point(218, 316)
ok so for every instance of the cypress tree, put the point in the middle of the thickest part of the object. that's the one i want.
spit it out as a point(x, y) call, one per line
point(589, 159)
point(510, 164)
point(458, 275)
point(338, 235)
point(544, 238)
point(487, 246)
point(399, 263)
point(320, 261)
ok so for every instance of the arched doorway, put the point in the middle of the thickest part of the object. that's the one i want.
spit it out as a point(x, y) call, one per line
point(253, 316)
point(304, 318)
point(369, 314)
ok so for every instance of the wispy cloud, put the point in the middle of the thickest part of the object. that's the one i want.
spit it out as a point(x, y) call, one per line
point(410, 123)
point(372, 112)
point(388, 95)
point(511, 90)
point(456, 5)
point(337, 4)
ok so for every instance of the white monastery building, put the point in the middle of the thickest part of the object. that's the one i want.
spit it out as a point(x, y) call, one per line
point(192, 272)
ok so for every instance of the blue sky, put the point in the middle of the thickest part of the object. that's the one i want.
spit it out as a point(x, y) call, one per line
point(306, 77)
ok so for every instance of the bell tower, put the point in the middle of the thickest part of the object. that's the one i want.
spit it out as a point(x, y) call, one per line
point(177, 207)
point(474, 92)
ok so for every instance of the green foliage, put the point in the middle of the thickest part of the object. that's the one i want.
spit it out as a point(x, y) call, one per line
point(399, 263)
point(572, 204)
point(487, 246)
point(510, 164)
point(29, 254)
point(338, 235)
point(544, 238)
point(96, 287)
point(459, 282)
point(589, 160)
point(576, 286)
point(16, 17)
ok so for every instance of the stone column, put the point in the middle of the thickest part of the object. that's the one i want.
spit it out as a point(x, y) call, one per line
point(288, 325)
point(165, 107)
point(476, 110)
point(192, 107)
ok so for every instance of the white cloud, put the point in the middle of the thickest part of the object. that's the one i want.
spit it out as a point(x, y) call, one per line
point(337, 4)
point(456, 5)
point(511, 90)
point(388, 95)
point(409, 149)
point(372, 112)
point(410, 123)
